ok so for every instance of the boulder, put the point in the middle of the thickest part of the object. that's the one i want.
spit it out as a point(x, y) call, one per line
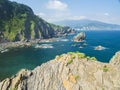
point(79, 37)
point(99, 47)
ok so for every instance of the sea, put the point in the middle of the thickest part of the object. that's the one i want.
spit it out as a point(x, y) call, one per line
point(30, 57)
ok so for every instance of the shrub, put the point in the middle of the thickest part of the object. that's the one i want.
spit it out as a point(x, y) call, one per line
point(70, 53)
point(105, 68)
point(73, 56)
point(77, 77)
point(80, 55)
point(93, 58)
point(69, 62)
point(13, 89)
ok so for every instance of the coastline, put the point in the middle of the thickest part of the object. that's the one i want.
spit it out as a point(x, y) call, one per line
point(9, 45)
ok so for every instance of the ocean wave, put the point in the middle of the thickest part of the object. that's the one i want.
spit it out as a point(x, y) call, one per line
point(44, 46)
point(63, 40)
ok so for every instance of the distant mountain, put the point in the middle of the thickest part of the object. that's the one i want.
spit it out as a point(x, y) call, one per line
point(89, 25)
point(18, 23)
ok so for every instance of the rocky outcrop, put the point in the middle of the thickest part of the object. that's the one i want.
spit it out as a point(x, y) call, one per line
point(72, 71)
point(115, 61)
point(99, 47)
point(79, 37)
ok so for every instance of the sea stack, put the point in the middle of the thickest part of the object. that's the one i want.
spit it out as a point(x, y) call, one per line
point(79, 37)
point(99, 47)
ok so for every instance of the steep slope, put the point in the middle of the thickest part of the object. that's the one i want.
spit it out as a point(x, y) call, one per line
point(18, 23)
point(89, 25)
point(72, 71)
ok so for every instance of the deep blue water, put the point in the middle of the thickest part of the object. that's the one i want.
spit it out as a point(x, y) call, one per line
point(11, 62)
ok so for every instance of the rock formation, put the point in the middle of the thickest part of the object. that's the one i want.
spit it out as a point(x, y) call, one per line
point(99, 47)
point(72, 71)
point(79, 37)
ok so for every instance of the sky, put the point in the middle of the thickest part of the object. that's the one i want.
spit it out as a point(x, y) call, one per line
point(58, 10)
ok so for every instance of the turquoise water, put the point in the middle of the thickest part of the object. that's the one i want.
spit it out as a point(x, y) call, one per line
point(11, 62)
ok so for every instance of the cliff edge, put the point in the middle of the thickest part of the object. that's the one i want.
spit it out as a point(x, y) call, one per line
point(71, 71)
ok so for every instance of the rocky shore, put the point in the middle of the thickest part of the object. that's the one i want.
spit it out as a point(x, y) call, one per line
point(9, 45)
point(71, 71)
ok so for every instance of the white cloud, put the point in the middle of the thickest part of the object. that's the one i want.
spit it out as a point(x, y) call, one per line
point(41, 14)
point(56, 5)
point(106, 14)
point(60, 16)
point(77, 17)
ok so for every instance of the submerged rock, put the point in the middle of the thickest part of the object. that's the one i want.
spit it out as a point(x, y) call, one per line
point(3, 51)
point(79, 37)
point(72, 71)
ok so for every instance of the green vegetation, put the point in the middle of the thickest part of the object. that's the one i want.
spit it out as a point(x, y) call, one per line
point(69, 62)
point(18, 22)
point(81, 55)
point(58, 57)
point(105, 68)
point(103, 88)
point(12, 19)
point(32, 29)
point(91, 58)
point(13, 27)
point(13, 89)
point(56, 27)
point(77, 77)
point(72, 55)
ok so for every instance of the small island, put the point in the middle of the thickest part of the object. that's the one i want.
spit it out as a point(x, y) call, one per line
point(79, 37)
point(99, 47)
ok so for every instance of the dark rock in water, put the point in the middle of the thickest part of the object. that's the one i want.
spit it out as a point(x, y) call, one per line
point(79, 37)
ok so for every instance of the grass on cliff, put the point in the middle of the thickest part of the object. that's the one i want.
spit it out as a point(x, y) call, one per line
point(80, 56)
point(32, 29)
point(69, 62)
point(105, 68)
point(12, 28)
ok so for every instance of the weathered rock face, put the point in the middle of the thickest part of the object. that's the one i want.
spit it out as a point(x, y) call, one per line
point(79, 37)
point(72, 71)
point(115, 61)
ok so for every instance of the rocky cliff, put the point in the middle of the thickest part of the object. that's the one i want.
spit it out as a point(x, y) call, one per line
point(72, 71)
point(19, 23)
